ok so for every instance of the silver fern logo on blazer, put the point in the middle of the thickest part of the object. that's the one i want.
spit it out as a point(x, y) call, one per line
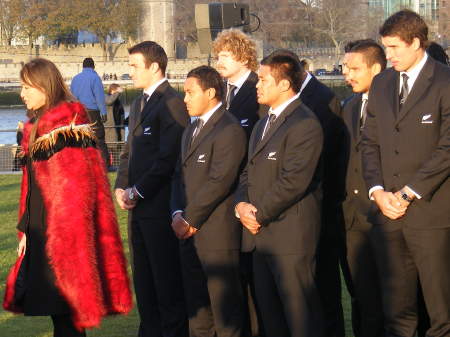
point(147, 131)
point(201, 158)
point(426, 119)
point(244, 122)
point(271, 156)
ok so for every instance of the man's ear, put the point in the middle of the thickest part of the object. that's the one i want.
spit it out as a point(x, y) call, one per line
point(416, 43)
point(376, 68)
point(211, 93)
point(154, 67)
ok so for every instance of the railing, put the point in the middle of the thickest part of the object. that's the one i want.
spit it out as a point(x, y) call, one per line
point(10, 162)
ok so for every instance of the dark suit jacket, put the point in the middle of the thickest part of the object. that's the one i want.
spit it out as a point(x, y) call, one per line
point(411, 147)
point(356, 204)
point(152, 148)
point(245, 106)
point(206, 179)
point(322, 101)
point(282, 180)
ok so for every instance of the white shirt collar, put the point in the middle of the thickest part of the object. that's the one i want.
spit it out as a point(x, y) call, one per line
point(305, 82)
point(206, 116)
point(240, 82)
point(365, 96)
point(150, 90)
point(413, 73)
point(283, 106)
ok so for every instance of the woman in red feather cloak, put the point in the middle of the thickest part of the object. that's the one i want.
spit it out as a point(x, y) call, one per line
point(71, 264)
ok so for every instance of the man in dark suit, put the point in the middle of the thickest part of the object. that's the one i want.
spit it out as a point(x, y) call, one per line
point(237, 63)
point(365, 60)
point(212, 151)
point(278, 202)
point(143, 184)
point(322, 101)
point(405, 152)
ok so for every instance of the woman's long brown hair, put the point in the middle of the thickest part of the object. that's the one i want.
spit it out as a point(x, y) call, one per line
point(42, 74)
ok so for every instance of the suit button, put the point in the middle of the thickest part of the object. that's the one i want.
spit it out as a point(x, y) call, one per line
point(397, 129)
point(396, 175)
point(396, 152)
point(356, 191)
point(356, 170)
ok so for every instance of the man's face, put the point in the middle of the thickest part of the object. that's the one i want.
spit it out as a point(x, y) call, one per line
point(359, 74)
point(197, 100)
point(227, 65)
point(268, 91)
point(142, 76)
point(403, 56)
point(344, 66)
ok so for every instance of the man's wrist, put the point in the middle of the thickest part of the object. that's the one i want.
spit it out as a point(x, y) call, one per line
point(409, 197)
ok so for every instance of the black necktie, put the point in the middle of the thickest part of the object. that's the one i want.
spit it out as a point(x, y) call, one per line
point(144, 100)
point(198, 126)
point(362, 120)
point(272, 118)
point(404, 91)
point(230, 94)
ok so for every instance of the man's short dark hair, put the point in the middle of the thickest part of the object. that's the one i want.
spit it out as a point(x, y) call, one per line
point(88, 62)
point(373, 53)
point(152, 52)
point(208, 78)
point(406, 25)
point(350, 44)
point(285, 65)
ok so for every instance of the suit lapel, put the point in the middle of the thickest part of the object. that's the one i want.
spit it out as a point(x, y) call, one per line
point(154, 99)
point(278, 122)
point(356, 118)
point(187, 135)
point(419, 88)
point(207, 128)
point(244, 91)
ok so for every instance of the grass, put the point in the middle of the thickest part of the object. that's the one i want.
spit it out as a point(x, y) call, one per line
point(20, 326)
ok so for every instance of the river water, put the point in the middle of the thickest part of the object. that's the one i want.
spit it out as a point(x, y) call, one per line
point(8, 121)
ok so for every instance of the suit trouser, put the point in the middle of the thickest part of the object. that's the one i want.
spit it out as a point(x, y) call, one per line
point(64, 327)
point(157, 278)
point(403, 256)
point(287, 295)
point(328, 275)
point(253, 324)
point(99, 130)
point(367, 311)
point(213, 291)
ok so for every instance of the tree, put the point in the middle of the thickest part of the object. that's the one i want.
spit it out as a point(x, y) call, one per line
point(108, 18)
point(9, 19)
point(339, 21)
point(32, 20)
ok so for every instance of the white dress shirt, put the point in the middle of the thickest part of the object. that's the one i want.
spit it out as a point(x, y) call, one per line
point(150, 90)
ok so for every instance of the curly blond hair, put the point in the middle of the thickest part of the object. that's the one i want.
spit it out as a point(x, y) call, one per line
point(239, 44)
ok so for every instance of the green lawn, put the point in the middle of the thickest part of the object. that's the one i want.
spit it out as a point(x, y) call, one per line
point(20, 326)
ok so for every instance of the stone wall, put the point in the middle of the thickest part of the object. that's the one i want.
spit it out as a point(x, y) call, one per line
point(69, 60)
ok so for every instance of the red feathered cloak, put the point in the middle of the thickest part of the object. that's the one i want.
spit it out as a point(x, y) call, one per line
point(83, 240)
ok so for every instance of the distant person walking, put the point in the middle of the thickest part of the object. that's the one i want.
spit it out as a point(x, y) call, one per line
point(87, 87)
point(114, 131)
